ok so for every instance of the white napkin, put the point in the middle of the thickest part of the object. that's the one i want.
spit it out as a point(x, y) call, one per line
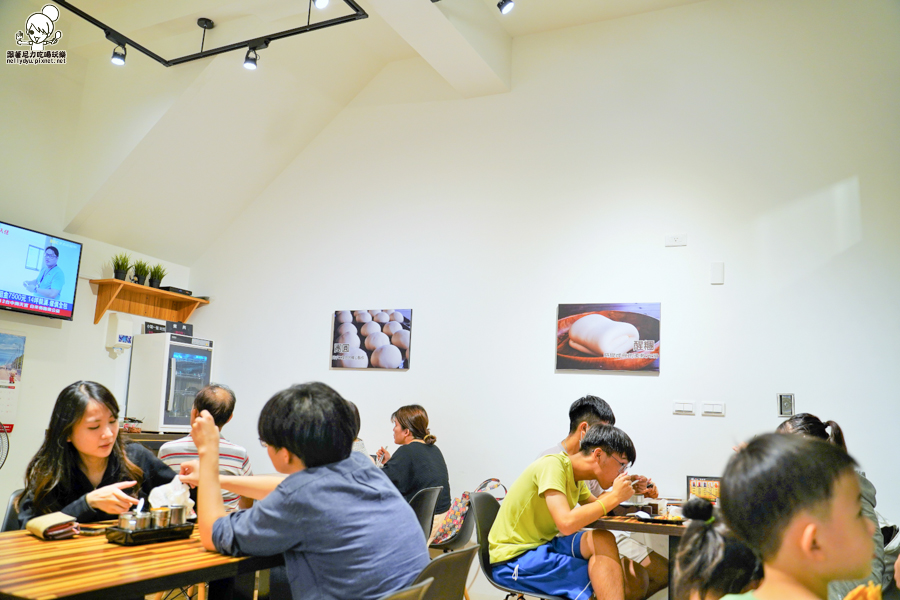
point(174, 493)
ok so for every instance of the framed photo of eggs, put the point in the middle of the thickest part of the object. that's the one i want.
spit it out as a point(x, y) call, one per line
point(371, 339)
point(608, 337)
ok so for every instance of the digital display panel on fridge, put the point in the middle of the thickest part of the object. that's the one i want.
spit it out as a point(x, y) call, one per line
point(38, 272)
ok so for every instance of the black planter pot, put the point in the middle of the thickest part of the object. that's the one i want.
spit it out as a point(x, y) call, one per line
point(154, 282)
point(140, 279)
point(120, 274)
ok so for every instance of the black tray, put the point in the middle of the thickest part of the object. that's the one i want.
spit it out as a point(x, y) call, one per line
point(660, 519)
point(123, 537)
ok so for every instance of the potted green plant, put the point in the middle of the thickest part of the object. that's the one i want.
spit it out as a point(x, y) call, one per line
point(121, 262)
point(141, 270)
point(156, 274)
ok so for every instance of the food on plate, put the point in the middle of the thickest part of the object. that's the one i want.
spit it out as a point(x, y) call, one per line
point(344, 316)
point(395, 316)
point(599, 335)
point(377, 340)
point(382, 317)
point(387, 357)
point(363, 317)
point(370, 328)
point(401, 339)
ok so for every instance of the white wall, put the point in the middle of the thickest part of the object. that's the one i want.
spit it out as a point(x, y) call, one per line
point(58, 353)
point(766, 131)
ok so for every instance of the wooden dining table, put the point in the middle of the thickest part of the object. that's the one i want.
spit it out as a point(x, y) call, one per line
point(673, 531)
point(90, 567)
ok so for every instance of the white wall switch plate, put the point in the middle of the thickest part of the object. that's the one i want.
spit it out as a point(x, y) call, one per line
point(683, 408)
point(713, 409)
point(678, 239)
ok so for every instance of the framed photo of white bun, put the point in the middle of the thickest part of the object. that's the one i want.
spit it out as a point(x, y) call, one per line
point(608, 337)
point(371, 339)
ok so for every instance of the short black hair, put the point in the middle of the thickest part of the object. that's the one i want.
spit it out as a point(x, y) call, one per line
point(55, 251)
point(312, 421)
point(219, 400)
point(611, 440)
point(592, 410)
point(772, 479)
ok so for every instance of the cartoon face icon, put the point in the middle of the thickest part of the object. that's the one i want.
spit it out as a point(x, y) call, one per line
point(39, 28)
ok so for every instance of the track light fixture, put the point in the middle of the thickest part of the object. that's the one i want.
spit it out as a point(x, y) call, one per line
point(118, 56)
point(320, 4)
point(505, 6)
point(250, 59)
point(356, 13)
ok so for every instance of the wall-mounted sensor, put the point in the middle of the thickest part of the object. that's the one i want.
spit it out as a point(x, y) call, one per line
point(785, 405)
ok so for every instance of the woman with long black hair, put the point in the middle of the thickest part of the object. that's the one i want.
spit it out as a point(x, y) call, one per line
point(84, 467)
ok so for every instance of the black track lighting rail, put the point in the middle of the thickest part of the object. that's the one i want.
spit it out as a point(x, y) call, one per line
point(257, 42)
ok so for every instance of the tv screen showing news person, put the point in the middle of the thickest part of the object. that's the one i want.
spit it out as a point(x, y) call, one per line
point(38, 272)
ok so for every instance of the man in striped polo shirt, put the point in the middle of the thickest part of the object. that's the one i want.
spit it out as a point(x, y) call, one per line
point(219, 400)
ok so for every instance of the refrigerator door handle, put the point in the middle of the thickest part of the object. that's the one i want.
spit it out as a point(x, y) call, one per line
point(170, 401)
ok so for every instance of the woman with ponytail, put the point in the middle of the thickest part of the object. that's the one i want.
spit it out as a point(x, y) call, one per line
point(711, 562)
point(812, 426)
point(418, 463)
point(84, 468)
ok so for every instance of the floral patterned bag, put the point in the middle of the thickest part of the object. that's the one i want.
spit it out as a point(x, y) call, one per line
point(460, 506)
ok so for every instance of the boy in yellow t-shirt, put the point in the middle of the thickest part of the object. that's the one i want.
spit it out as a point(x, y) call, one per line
point(536, 542)
point(796, 502)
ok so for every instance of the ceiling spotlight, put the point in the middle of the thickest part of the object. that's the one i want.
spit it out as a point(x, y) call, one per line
point(250, 59)
point(505, 6)
point(320, 4)
point(118, 56)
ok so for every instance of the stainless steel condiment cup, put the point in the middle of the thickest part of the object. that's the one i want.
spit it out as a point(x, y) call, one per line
point(143, 520)
point(159, 517)
point(177, 514)
point(127, 521)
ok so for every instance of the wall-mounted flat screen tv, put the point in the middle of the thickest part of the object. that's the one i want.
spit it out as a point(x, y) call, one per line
point(38, 272)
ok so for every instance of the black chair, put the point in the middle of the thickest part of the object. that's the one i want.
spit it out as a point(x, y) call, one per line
point(413, 592)
point(486, 508)
point(450, 572)
point(11, 518)
point(462, 536)
point(423, 504)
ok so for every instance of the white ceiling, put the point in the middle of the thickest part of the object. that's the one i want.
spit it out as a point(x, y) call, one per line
point(535, 16)
point(204, 139)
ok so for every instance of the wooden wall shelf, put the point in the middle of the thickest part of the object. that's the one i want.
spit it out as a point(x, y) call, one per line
point(124, 296)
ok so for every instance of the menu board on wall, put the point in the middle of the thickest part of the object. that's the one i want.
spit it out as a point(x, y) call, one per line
point(12, 354)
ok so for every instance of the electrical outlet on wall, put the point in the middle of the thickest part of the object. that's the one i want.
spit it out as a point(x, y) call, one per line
point(678, 239)
point(785, 405)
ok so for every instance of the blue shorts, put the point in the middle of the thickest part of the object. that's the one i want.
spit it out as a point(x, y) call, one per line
point(556, 568)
